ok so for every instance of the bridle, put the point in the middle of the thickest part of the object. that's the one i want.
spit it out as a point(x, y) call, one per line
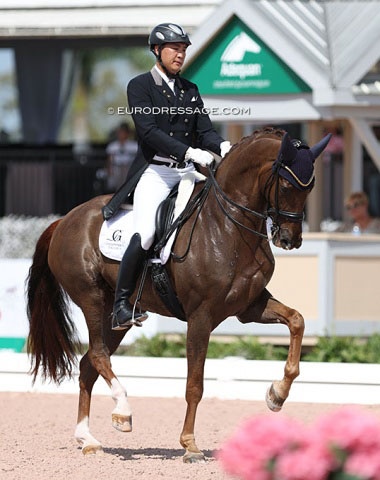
point(273, 212)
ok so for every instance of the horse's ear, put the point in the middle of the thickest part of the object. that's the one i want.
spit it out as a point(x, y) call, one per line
point(288, 151)
point(318, 148)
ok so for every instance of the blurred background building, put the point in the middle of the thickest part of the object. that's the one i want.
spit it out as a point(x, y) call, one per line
point(309, 67)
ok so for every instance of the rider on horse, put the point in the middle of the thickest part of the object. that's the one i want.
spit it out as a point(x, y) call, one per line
point(174, 131)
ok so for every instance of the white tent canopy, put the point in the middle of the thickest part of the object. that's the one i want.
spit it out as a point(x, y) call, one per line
point(58, 18)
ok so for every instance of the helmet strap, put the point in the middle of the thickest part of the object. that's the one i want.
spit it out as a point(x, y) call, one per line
point(159, 60)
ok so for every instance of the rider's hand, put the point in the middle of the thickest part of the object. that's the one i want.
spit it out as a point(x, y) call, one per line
point(225, 147)
point(199, 156)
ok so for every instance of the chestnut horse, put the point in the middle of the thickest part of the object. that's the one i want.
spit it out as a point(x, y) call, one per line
point(225, 272)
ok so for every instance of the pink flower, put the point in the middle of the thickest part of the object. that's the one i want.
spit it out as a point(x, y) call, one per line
point(311, 462)
point(364, 464)
point(343, 442)
point(250, 451)
point(349, 428)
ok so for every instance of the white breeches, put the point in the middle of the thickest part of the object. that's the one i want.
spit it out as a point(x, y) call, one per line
point(153, 187)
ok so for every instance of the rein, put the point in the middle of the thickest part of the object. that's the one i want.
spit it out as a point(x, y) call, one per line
point(195, 203)
point(198, 201)
point(273, 212)
point(220, 194)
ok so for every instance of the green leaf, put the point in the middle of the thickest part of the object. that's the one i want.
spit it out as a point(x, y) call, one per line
point(344, 476)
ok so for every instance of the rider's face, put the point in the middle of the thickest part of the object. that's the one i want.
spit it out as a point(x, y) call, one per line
point(173, 56)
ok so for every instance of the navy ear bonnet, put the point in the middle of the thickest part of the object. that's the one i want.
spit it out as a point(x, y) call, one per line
point(295, 161)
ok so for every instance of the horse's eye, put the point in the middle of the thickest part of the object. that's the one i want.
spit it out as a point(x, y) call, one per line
point(285, 187)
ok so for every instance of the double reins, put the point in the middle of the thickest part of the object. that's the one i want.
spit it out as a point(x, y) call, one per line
point(274, 213)
point(219, 194)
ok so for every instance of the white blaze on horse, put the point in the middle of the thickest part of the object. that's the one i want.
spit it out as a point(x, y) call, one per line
point(220, 267)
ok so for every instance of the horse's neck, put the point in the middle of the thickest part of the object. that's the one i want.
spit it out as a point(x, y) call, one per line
point(240, 181)
point(237, 199)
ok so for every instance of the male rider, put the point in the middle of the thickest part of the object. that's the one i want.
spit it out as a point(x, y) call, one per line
point(174, 131)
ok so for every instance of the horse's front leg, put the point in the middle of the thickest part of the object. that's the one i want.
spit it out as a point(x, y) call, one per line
point(279, 390)
point(198, 336)
point(270, 310)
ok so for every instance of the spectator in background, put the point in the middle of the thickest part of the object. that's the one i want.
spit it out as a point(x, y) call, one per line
point(361, 221)
point(120, 154)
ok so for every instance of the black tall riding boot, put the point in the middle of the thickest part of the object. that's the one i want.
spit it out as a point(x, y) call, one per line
point(129, 270)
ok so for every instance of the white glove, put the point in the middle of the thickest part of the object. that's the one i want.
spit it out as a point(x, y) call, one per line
point(199, 156)
point(225, 147)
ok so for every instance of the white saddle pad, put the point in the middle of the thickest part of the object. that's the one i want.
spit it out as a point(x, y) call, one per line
point(116, 233)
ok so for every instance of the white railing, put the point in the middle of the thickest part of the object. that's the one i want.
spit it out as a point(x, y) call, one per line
point(332, 280)
point(230, 378)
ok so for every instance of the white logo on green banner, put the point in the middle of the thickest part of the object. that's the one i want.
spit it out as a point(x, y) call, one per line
point(238, 62)
point(232, 64)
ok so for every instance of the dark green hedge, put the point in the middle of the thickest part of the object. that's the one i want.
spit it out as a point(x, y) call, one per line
point(327, 349)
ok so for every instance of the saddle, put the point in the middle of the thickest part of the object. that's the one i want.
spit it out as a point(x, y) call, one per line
point(166, 226)
point(159, 274)
point(165, 214)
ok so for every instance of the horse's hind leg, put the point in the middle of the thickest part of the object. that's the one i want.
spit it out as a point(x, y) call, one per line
point(270, 310)
point(122, 413)
point(103, 342)
point(87, 378)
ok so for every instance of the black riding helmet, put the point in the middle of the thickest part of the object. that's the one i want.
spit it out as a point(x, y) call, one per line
point(167, 33)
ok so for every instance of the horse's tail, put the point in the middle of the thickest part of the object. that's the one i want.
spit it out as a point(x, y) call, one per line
point(52, 334)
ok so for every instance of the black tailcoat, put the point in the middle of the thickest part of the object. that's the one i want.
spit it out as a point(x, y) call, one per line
point(166, 125)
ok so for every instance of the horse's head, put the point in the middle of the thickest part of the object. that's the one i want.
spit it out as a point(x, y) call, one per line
point(291, 181)
point(257, 185)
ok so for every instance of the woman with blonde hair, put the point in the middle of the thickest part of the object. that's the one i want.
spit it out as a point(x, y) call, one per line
point(357, 207)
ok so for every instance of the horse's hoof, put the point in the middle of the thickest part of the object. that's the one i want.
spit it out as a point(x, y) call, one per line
point(123, 423)
point(273, 401)
point(191, 457)
point(92, 449)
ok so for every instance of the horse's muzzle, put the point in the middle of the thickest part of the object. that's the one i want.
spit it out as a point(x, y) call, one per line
point(287, 240)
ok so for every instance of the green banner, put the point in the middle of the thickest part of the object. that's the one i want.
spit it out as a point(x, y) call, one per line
point(238, 62)
point(12, 343)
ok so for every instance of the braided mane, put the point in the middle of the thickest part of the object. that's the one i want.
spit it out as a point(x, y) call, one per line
point(265, 132)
